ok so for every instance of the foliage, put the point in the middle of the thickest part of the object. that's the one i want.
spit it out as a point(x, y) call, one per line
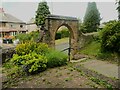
point(118, 8)
point(82, 28)
point(91, 49)
point(91, 18)
point(28, 47)
point(56, 58)
point(32, 56)
point(41, 13)
point(23, 37)
point(58, 35)
point(32, 36)
point(111, 37)
point(25, 48)
point(32, 62)
point(65, 33)
point(97, 37)
point(102, 83)
point(62, 34)
point(41, 48)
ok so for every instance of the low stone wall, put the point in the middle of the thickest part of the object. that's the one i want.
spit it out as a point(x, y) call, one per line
point(6, 54)
point(85, 39)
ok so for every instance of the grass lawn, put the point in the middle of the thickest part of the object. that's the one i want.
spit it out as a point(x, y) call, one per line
point(61, 41)
point(91, 49)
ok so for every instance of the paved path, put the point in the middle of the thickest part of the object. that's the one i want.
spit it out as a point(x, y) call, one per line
point(102, 67)
point(62, 46)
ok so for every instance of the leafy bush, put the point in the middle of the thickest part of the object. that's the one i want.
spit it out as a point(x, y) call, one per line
point(36, 63)
point(28, 47)
point(23, 37)
point(41, 48)
point(62, 34)
point(97, 36)
point(56, 58)
point(32, 36)
point(16, 60)
point(58, 35)
point(25, 48)
point(32, 62)
point(111, 37)
point(82, 28)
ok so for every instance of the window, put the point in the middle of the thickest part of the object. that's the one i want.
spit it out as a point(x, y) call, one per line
point(21, 26)
point(2, 24)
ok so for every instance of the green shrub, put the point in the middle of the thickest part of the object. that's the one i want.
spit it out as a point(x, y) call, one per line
point(82, 28)
point(25, 48)
point(32, 36)
point(41, 48)
point(28, 47)
point(23, 37)
point(16, 60)
point(111, 37)
point(15, 72)
point(56, 58)
point(97, 37)
point(58, 35)
point(35, 64)
point(62, 34)
point(32, 62)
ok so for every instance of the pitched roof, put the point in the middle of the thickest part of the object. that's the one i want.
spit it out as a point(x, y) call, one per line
point(32, 21)
point(4, 17)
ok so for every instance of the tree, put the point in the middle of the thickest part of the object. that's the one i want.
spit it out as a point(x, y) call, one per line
point(41, 13)
point(92, 18)
point(111, 37)
point(118, 8)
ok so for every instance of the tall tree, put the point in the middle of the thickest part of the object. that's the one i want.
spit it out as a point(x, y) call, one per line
point(92, 18)
point(41, 13)
point(118, 8)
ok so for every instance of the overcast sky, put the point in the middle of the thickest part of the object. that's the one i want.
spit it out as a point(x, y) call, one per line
point(26, 10)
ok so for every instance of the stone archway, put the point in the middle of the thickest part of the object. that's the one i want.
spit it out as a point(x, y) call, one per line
point(52, 24)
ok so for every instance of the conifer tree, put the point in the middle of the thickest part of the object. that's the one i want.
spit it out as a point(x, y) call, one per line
point(41, 13)
point(91, 18)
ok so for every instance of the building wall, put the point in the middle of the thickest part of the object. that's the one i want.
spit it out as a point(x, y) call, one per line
point(18, 26)
point(32, 27)
point(12, 28)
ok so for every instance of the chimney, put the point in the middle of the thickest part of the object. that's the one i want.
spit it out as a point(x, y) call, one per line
point(1, 10)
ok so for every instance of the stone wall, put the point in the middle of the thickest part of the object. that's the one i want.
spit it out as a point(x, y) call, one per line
point(52, 25)
point(85, 39)
point(6, 54)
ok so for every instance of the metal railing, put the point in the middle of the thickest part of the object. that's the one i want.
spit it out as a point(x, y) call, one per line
point(69, 50)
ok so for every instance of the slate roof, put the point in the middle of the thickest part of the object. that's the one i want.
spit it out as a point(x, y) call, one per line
point(4, 17)
point(32, 21)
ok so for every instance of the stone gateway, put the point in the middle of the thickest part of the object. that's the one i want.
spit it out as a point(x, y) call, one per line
point(52, 24)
